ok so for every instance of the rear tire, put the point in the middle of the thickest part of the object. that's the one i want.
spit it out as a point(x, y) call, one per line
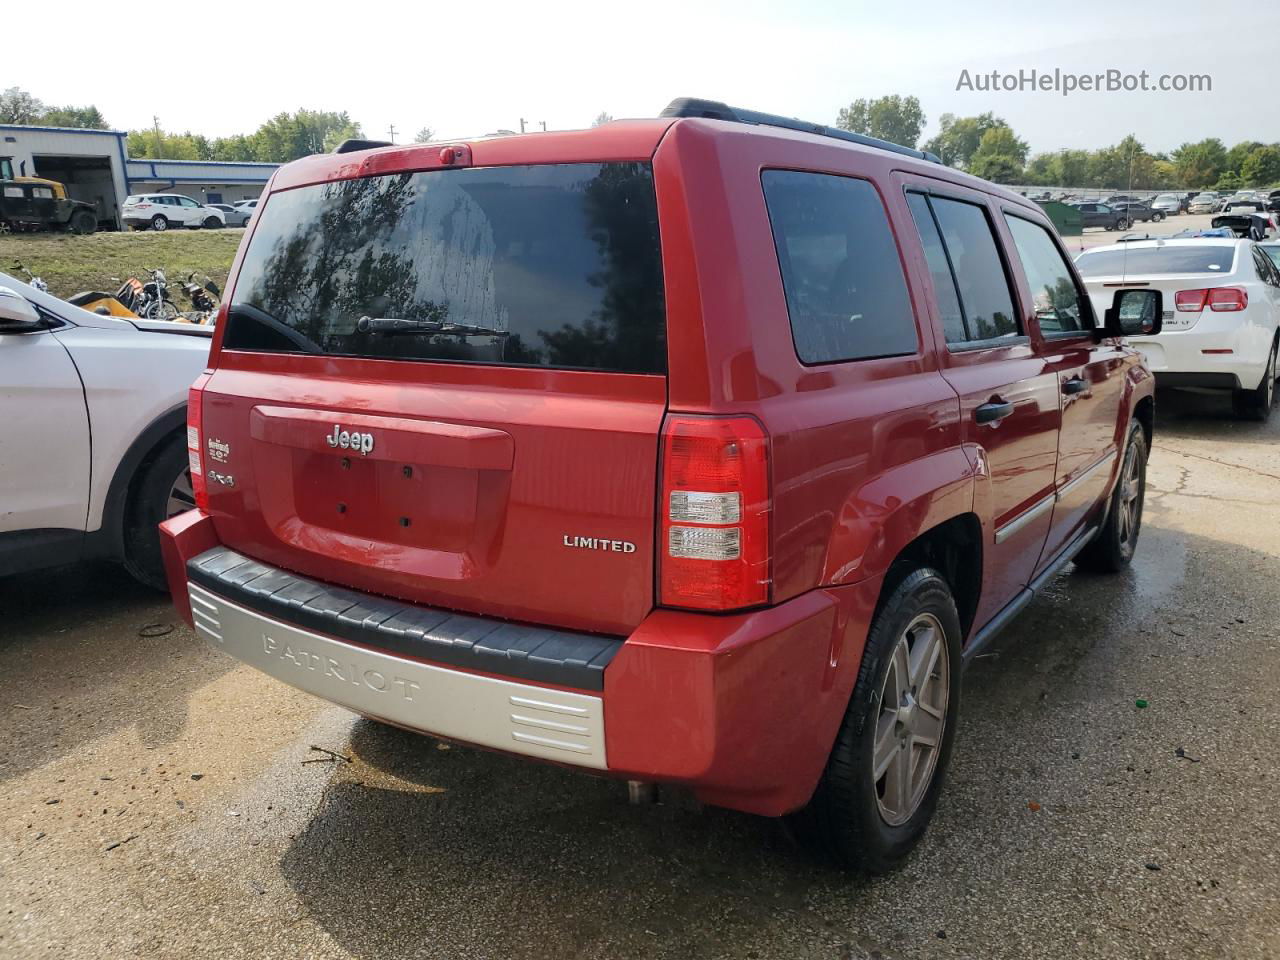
point(1256, 404)
point(907, 692)
point(160, 489)
point(159, 222)
point(1112, 548)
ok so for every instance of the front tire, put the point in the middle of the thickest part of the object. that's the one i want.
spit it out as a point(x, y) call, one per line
point(212, 223)
point(878, 793)
point(83, 222)
point(1112, 548)
point(1256, 404)
point(160, 489)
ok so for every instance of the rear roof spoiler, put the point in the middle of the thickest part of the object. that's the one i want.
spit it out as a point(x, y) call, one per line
point(715, 110)
point(354, 144)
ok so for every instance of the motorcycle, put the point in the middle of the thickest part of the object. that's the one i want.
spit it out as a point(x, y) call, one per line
point(205, 297)
point(135, 300)
point(32, 280)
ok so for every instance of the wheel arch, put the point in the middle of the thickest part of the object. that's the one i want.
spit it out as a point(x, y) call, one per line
point(953, 548)
point(140, 452)
point(1144, 412)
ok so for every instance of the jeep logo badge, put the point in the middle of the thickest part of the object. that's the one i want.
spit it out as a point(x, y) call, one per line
point(350, 440)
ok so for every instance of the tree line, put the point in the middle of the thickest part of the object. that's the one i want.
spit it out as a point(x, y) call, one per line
point(285, 137)
point(986, 146)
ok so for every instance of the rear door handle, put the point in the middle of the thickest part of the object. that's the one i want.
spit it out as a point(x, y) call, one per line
point(993, 412)
point(1074, 385)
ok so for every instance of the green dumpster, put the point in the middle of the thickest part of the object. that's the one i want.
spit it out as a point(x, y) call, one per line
point(1065, 218)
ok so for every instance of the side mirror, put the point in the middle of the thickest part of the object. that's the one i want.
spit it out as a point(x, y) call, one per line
point(16, 312)
point(1135, 313)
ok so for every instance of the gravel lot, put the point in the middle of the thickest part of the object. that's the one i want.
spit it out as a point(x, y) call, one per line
point(155, 799)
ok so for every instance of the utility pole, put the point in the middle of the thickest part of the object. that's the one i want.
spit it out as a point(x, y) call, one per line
point(391, 132)
point(155, 123)
point(522, 124)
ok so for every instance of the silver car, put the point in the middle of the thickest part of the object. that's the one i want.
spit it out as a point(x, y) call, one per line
point(1170, 204)
point(1203, 203)
point(236, 216)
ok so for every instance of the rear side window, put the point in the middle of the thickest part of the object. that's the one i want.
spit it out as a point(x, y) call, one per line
point(846, 294)
point(554, 265)
point(1053, 290)
point(980, 278)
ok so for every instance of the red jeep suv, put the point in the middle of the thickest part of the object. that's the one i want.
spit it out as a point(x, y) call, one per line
point(700, 450)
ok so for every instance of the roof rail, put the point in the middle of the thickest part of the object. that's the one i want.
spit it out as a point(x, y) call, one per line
point(354, 144)
point(715, 110)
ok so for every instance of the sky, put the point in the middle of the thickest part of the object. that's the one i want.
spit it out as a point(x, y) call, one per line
point(473, 67)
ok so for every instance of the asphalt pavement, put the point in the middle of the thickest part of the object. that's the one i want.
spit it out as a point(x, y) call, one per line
point(158, 800)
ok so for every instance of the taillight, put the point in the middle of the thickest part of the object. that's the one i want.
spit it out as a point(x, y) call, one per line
point(714, 543)
point(1190, 301)
point(195, 440)
point(1221, 299)
point(1228, 299)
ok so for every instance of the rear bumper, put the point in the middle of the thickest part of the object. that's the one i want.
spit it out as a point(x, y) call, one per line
point(742, 708)
point(1179, 355)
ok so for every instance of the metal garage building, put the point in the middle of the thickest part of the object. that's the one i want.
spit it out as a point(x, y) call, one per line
point(95, 168)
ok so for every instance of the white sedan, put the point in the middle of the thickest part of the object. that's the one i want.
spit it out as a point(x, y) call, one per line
point(1221, 312)
point(93, 451)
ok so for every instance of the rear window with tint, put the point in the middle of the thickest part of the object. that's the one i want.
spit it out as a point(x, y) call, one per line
point(1156, 260)
point(554, 265)
point(840, 268)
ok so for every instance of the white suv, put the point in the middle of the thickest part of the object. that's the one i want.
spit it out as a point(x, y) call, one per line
point(93, 432)
point(1221, 316)
point(160, 211)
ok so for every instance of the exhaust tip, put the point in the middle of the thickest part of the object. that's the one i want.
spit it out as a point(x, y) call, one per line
point(642, 793)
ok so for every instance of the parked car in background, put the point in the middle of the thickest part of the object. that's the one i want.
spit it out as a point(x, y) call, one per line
point(1273, 201)
point(1203, 203)
point(1104, 216)
point(1245, 223)
point(234, 216)
point(1222, 312)
point(249, 205)
point(738, 535)
point(1246, 204)
point(113, 393)
point(1169, 204)
point(1136, 211)
point(160, 211)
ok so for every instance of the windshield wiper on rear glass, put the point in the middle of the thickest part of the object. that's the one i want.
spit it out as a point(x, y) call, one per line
point(438, 327)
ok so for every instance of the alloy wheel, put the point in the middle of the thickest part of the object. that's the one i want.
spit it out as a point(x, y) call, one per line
point(912, 719)
point(1130, 505)
point(181, 496)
